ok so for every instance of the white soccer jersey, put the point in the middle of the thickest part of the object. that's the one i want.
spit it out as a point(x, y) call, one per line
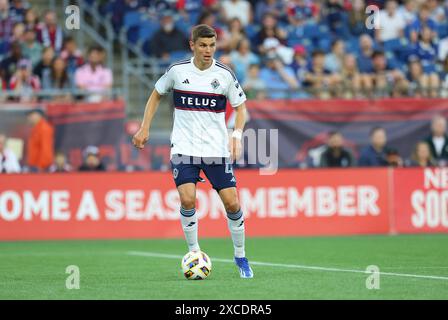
point(200, 98)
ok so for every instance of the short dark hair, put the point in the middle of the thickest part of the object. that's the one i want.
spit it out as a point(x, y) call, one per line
point(334, 133)
point(202, 31)
point(96, 48)
point(377, 53)
point(318, 52)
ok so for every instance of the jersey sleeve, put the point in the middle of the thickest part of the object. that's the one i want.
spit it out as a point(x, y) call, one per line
point(235, 94)
point(165, 82)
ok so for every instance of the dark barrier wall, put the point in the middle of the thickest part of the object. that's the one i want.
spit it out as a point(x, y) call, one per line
point(302, 127)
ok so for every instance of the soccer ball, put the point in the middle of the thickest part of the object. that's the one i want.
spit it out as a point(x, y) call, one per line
point(196, 265)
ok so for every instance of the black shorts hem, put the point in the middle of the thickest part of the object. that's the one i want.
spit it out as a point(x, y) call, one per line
point(195, 181)
point(224, 187)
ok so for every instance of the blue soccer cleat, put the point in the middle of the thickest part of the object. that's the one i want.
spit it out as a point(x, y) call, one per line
point(245, 269)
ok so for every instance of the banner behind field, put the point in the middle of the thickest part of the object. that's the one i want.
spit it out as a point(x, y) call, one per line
point(303, 125)
point(290, 203)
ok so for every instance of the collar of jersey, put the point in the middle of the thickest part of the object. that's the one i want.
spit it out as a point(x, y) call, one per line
point(199, 70)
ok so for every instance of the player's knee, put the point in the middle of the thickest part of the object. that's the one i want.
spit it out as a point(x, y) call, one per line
point(232, 207)
point(188, 203)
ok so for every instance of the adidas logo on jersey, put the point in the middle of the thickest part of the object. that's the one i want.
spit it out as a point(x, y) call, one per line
point(186, 81)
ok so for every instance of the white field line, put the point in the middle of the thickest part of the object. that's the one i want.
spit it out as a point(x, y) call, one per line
point(293, 266)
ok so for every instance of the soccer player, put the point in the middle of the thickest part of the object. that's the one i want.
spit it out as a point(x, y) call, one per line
point(199, 140)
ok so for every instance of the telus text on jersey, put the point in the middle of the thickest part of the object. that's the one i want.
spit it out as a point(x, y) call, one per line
point(198, 101)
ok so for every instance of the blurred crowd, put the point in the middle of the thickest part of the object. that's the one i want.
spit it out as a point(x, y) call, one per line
point(278, 49)
point(37, 57)
point(321, 48)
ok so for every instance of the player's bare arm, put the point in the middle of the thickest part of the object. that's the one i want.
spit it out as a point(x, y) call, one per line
point(235, 141)
point(142, 135)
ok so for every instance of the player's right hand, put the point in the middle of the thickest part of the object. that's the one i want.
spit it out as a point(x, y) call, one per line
point(140, 138)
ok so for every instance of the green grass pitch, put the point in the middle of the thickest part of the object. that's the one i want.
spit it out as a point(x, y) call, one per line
point(108, 269)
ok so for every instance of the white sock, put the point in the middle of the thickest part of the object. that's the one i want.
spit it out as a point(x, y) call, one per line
point(235, 222)
point(189, 222)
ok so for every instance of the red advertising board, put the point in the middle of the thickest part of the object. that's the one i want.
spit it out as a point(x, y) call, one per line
point(146, 205)
point(420, 200)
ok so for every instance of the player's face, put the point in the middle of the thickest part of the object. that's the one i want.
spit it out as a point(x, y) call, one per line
point(204, 49)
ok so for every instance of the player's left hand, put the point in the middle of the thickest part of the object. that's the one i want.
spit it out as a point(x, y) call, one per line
point(235, 148)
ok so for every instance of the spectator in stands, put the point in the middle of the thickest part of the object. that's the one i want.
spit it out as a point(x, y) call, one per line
point(437, 13)
point(8, 159)
point(408, 11)
point(335, 17)
point(374, 155)
point(442, 49)
point(253, 86)
point(59, 80)
point(92, 161)
point(393, 158)
point(3, 87)
point(415, 77)
point(364, 57)
point(50, 33)
point(386, 79)
point(391, 24)
point(422, 20)
point(93, 76)
point(269, 29)
point(24, 83)
point(60, 163)
point(31, 48)
point(426, 51)
point(240, 9)
point(242, 58)
point(274, 47)
point(438, 140)
point(236, 34)
point(8, 66)
point(59, 76)
point(274, 7)
point(444, 87)
point(191, 9)
point(335, 155)
point(6, 21)
point(40, 143)
point(421, 156)
point(357, 18)
point(298, 14)
point(209, 18)
point(321, 81)
point(73, 58)
point(300, 63)
point(300, 9)
point(335, 59)
point(18, 31)
point(31, 19)
point(279, 79)
point(350, 78)
point(43, 68)
point(18, 9)
point(167, 39)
